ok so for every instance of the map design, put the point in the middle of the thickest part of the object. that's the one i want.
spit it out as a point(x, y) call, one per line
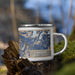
point(34, 43)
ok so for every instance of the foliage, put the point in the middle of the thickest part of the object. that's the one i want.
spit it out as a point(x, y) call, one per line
point(69, 54)
point(68, 69)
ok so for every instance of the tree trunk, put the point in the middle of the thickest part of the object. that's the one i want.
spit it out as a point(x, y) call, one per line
point(12, 8)
point(21, 66)
point(72, 36)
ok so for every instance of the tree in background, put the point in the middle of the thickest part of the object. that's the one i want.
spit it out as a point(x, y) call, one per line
point(13, 19)
point(72, 36)
point(37, 14)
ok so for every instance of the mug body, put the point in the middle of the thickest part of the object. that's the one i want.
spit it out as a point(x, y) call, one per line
point(36, 42)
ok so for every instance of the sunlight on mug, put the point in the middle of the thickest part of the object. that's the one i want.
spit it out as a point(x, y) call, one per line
point(36, 42)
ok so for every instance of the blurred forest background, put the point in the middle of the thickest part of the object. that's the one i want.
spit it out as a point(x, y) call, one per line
point(61, 13)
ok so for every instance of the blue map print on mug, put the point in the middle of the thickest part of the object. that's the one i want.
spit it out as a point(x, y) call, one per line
point(33, 40)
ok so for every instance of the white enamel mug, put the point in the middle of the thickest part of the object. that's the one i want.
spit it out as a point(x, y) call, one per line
point(36, 42)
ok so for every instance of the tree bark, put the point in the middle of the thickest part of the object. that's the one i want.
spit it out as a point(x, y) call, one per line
point(15, 65)
point(19, 66)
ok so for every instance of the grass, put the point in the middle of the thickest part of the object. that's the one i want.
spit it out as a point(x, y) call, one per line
point(68, 69)
point(3, 70)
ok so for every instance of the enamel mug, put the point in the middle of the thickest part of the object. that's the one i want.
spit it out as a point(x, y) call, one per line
point(36, 42)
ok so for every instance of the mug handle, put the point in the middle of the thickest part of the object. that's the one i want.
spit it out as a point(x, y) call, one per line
point(59, 34)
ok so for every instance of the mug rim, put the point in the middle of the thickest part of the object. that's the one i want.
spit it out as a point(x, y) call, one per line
point(35, 59)
point(36, 25)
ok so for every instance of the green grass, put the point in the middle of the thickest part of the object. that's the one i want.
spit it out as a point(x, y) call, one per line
point(3, 70)
point(68, 69)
